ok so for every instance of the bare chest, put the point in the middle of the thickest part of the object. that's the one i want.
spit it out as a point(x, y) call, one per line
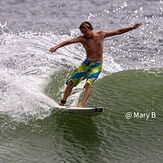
point(94, 43)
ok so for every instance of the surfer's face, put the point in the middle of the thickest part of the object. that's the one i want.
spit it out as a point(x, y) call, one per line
point(86, 32)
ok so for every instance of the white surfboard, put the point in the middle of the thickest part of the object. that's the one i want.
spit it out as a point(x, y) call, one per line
point(94, 111)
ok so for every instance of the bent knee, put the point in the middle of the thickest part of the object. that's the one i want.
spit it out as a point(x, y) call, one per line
point(71, 84)
point(87, 85)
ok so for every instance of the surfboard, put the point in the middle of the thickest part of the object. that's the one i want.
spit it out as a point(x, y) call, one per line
point(92, 111)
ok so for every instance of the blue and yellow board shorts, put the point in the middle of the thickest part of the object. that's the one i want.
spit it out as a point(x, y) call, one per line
point(87, 70)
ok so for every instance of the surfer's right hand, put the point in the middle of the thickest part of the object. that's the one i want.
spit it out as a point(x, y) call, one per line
point(53, 49)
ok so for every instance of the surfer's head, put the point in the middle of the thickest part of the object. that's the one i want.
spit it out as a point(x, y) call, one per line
point(86, 25)
point(86, 28)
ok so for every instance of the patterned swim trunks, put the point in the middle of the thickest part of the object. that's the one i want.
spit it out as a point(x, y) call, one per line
point(87, 70)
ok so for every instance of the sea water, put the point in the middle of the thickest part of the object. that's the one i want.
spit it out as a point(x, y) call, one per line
point(130, 87)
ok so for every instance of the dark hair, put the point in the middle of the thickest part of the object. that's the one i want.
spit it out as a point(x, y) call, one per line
point(86, 25)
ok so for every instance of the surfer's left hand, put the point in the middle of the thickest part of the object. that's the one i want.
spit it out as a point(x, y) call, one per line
point(137, 25)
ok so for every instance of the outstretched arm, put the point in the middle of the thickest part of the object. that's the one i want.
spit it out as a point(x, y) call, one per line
point(64, 43)
point(121, 31)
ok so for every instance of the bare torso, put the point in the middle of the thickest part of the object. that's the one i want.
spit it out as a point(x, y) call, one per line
point(94, 47)
point(93, 41)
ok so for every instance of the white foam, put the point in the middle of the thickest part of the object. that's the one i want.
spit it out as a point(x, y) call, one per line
point(26, 67)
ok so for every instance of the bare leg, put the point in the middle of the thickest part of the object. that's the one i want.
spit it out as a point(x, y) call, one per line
point(67, 92)
point(88, 89)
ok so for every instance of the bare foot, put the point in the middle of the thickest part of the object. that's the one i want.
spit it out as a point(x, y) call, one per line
point(80, 106)
point(60, 104)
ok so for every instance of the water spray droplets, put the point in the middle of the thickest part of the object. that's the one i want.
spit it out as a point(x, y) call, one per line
point(5, 27)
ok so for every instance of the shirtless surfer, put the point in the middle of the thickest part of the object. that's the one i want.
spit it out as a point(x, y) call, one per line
point(91, 67)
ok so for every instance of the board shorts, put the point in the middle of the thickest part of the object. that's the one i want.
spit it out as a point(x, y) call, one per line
point(87, 70)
